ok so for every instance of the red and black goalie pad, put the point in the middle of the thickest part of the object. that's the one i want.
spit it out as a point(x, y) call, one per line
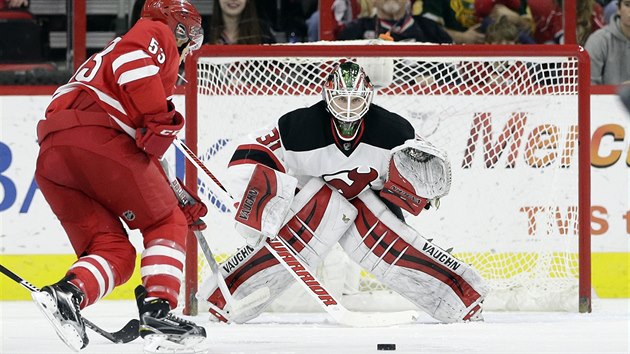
point(322, 217)
point(400, 192)
point(385, 243)
point(398, 256)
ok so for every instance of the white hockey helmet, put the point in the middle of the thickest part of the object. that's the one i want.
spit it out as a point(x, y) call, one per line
point(348, 94)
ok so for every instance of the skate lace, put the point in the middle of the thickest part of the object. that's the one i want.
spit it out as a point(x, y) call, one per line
point(77, 308)
point(174, 318)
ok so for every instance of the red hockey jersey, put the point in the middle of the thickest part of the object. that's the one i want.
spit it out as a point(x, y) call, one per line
point(133, 76)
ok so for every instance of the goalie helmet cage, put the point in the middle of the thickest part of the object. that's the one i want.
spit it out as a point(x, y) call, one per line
point(514, 120)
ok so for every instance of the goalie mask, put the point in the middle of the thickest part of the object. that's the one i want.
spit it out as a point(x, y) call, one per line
point(181, 17)
point(348, 93)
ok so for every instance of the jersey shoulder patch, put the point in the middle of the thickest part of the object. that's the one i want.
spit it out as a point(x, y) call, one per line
point(386, 129)
point(306, 129)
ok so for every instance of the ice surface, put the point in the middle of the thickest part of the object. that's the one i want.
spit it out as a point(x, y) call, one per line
point(605, 330)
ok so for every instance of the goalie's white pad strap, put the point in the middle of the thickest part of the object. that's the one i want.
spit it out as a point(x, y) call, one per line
point(265, 204)
point(319, 217)
point(399, 257)
point(417, 171)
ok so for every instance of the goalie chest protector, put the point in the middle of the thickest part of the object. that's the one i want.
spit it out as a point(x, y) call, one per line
point(311, 148)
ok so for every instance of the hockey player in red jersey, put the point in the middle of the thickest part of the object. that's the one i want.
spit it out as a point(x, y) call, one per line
point(98, 163)
point(356, 166)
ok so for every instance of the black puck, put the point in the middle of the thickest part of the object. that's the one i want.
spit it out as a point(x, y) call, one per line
point(385, 346)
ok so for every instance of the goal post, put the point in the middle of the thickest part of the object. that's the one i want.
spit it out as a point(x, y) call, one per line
point(514, 120)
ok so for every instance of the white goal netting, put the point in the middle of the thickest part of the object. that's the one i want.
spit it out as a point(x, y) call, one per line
point(509, 122)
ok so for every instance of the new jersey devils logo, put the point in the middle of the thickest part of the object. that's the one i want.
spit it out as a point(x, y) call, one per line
point(351, 183)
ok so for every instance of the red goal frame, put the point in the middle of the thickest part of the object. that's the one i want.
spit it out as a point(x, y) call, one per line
point(318, 50)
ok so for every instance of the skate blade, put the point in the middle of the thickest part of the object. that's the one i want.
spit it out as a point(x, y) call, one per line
point(66, 332)
point(160, 343)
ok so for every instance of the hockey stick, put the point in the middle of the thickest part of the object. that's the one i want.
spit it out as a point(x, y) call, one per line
point(252, 300)
point(128, 333)
point(280, 249)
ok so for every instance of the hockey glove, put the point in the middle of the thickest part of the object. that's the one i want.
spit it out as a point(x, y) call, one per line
point(419, 175)
point(161, 129)
point(194, 210)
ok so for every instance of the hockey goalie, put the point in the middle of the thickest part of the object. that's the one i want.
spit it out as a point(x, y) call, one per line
point(341, 172)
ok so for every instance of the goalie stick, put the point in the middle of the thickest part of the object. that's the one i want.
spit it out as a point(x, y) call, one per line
point(281, 251)
point(128, 333)
point(252, 300)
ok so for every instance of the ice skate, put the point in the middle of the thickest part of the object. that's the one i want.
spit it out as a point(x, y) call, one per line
point(164, 332)
point(60, 304)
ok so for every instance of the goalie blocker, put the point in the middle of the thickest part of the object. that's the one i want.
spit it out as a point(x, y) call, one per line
point(265, 204)
point(317, 219)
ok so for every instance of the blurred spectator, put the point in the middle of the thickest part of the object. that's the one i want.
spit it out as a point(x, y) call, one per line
point(287, 18)
point(393, 21)
point(457, 17)
point(610, 10)
point(344, 12)
point(590, 18)
point(416, 7)
point(366, 8)
point(609, 49)
point(548, 19)
point(12, 4)
point(477, 74)
point(514, 11)
point(21, 37)
point(135, 11)
point(312, 27)
point(502, 31)
point(237, 22)
point(15, 9)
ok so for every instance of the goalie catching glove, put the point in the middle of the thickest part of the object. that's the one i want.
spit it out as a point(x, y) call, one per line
point(419, 174)
point(160, 131)
point(265, 204)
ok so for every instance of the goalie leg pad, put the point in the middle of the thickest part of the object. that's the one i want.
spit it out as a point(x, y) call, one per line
point(399, 257)
point(322, 217)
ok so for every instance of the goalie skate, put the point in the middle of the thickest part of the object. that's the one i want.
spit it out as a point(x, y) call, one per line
point(60, 304)
point(164, 332)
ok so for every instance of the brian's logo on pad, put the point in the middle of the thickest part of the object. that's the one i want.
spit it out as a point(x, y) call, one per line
point(248, 203)
point(351, 183)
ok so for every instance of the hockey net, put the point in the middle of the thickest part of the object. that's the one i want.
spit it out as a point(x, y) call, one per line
point(510, 118)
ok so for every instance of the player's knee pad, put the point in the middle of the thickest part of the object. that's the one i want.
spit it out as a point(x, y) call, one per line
point(319, 217)
point(399, 257)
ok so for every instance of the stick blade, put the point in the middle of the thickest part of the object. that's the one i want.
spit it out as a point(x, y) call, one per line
point(128, 333)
